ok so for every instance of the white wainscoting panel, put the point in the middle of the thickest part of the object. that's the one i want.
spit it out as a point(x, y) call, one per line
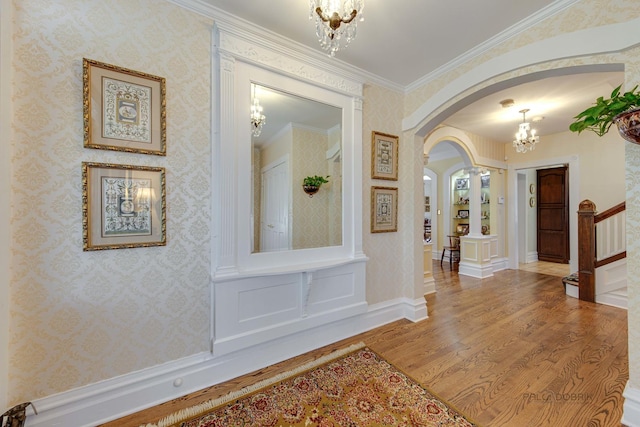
point(253, 310)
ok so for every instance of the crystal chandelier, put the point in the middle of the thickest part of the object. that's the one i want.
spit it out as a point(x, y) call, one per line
point(330, 16)
point(257, 118)
point(526, 138)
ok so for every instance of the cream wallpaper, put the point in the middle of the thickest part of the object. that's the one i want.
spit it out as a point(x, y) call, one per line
point(632, 151)
point(80, 317)
point(390, 261)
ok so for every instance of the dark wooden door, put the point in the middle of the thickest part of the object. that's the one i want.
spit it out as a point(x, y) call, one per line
point(553, 215)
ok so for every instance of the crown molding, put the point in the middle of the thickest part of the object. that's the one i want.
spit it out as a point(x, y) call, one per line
point(257, 44)
point(278, 42)
point(522, 26)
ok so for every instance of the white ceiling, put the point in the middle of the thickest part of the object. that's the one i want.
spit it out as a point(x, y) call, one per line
point(406, 42)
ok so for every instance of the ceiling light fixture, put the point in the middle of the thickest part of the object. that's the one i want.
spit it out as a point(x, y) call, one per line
point(526, 138)
point(336, 22)
point(257, 118)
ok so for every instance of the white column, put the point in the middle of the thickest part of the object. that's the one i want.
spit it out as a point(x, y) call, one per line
point(225, 171)
point(475, 206)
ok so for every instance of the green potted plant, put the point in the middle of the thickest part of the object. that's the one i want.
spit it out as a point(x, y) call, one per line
point(311, 184)
point(623, 109)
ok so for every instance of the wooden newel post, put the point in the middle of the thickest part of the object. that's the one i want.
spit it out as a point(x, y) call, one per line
point(586, 251)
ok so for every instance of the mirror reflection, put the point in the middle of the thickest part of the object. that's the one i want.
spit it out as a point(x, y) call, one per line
point(294, 138)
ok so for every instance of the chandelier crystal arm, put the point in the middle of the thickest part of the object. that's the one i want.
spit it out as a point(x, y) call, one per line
point(329, 19)
point(335, 20)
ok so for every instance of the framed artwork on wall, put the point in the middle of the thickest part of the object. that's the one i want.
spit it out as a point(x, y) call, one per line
point(123, 110)
point(384, 209)
point(384, 156)
point(123, 206)
point(484, 181)
point(462, 183)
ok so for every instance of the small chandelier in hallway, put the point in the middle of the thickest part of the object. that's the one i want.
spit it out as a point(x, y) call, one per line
point(257, 118)
point(526, 138)
point(336, 22)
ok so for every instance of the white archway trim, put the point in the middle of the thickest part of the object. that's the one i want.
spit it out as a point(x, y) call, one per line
point(448, 133)
point(591, 41)
point(574, 194)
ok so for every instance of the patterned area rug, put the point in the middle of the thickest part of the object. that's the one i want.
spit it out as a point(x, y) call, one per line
point(351, 388)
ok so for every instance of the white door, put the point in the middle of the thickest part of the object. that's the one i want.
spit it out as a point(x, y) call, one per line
point(274, 221)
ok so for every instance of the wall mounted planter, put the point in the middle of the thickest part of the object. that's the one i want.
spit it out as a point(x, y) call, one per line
point(629, 125)
point(310, 189)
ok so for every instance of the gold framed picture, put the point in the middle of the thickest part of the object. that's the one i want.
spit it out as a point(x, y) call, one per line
point(384, 209)
point(384, 156)
point(124, 110)
point(123, 206)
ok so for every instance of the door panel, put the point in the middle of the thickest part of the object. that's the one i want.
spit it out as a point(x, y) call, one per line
point(274, 224)
point(553, 215)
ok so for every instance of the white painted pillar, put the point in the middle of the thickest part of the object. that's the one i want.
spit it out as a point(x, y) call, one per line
point(475, 204)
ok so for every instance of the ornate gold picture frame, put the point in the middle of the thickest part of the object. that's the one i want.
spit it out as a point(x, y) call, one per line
point(384, 156)
point(384, 209)
point(123, 206)
point(124, 110)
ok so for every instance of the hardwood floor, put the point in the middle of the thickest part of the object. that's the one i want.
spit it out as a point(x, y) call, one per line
point(544, 267)
point(510, 350)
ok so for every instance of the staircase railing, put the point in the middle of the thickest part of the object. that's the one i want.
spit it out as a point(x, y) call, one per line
point(601, 241)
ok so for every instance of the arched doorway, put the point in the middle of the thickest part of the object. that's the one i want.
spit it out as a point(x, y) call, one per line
point(494, 76)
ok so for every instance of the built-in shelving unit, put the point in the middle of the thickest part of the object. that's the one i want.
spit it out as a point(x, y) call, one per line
point(460, 202)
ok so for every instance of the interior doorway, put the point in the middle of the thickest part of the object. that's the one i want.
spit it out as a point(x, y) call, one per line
point(519, 200)
point(553, 215)
point(274, 213)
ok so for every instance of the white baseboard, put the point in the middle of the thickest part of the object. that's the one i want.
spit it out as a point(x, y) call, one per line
point(429, 285)
point(498, 264)
point(531, 257)
point(613, 299)
point(474, 270)
point(631, 409)
point(415, 310)
point(116, 397)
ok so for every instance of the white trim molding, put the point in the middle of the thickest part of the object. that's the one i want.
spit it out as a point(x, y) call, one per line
point(117, 397)
point(590, 41)
point(631, 409)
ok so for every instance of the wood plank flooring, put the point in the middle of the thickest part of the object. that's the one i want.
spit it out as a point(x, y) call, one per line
point(510, 350)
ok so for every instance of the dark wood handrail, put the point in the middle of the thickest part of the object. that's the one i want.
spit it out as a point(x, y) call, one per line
point(587, 262)
point(610, 212)
point(609, 260)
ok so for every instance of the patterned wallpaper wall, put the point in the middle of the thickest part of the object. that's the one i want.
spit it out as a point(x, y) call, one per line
point(80, 317)
point(632, 152)
point(382, 112)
